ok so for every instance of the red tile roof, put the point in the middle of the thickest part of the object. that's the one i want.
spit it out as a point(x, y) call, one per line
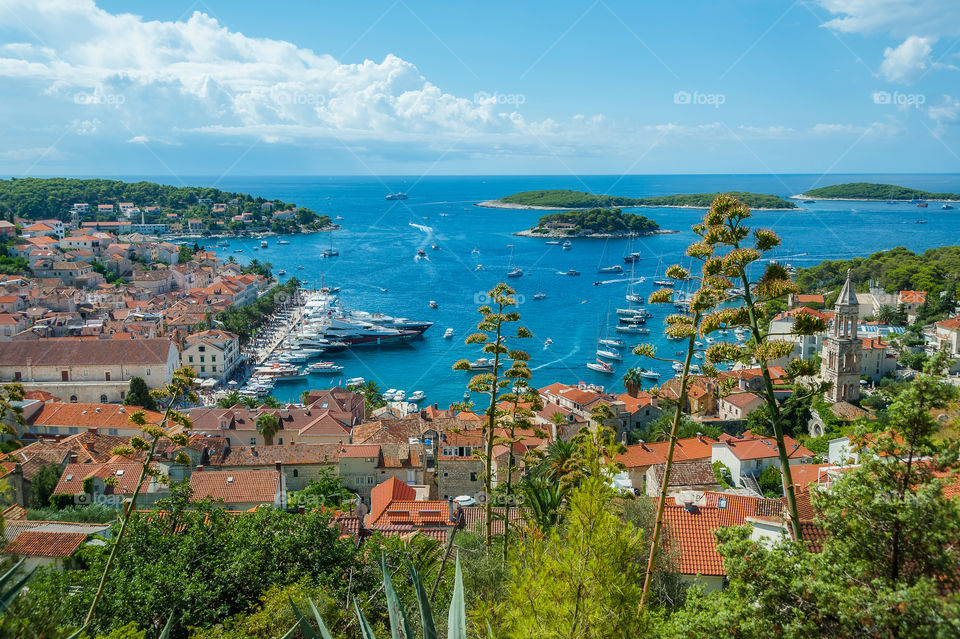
point(360, 450)
point(37, 543)
point(236, 486)
point(749, 446)
point(691, 531)
point(650, 453)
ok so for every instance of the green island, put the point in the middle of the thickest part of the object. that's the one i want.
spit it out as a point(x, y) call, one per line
point(218, 211)
point(565, 199)
point(593, 223)
point(870, 191)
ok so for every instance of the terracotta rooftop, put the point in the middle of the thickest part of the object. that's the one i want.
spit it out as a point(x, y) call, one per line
point(686, 473)
point(733, 508)
point(125, 474)
point(650, 453)
point(285, 454)
point(83, 415)
point(236, 486)
point(749, 446)
point(691, 532)
point(53, 351)
point(37, 543)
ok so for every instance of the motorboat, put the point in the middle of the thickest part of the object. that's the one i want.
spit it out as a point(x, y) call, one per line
point(516, 272)
point(482, 364)
point(433, 304)
point(572, 272)
point(600, 366)
point(421, 253)
point(435, 247)
point(609, 354)
point(389, 394)
point(280, 371)
point(417, 396)
point(631, 258)
point(281, 272)
point(396, 196)
point(447, 334)
point(947, 207)
point(664, 282)
point(632, 328)
point(539, 295)
point(610, 269)
point(324, 368)
point(553, 242)
point(282, 242)
point(263, 244)
point(567, 245)
point(649, 374)
point(612, 342)
point(547, 342)
point(399, 396)
point(355, 381)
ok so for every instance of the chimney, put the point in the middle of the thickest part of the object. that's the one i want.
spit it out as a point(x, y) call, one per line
point(92, 431)
point(199, 469)
point(449, 509)
point(73, 458)
point(88, 445)
point(279, 466)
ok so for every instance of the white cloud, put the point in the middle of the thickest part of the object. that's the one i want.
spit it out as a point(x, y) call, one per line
point(900, 18)
point(908, 61)
point(947, 112)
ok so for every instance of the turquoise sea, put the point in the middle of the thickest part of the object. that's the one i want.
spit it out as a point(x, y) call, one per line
point(379, 240)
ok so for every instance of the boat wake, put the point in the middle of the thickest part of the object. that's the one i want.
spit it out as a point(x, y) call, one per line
point(421, 227)
point(559, 360)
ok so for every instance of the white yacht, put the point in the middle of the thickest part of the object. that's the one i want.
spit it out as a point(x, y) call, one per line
point(447, 334)
point(417, 396)
point(609, 354)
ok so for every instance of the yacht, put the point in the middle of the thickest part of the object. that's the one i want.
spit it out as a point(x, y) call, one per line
point(397, 196)
point(677, 366)
point(616, 268)
point(633, 319)
point(539, 295)
point(648, 374)
point(631, 258)
point(238, 250)
point(280, 371)
point(330, 252)
point(609, 354)
point(389, 394)
point(600, 366)
point(632, 328)
point(281, 272)
point(263, 244)
point(417, 396)
point(338, 218)
point(355, 381)
point(399, 396)
point(635, 298)
point(947, 207)
point(567, 245)
point(516, 272)
point(447, 334)
point(612, 342)
point(553, 242)
point(481, 364)
point(572, 272)
point(282, 242)
point(664, 282)
point(325, 368)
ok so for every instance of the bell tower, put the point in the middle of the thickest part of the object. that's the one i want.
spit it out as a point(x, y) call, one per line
point(842, 347)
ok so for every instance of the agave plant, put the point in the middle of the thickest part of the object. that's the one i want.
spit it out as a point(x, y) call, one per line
point(11, 584)
point(456, 618)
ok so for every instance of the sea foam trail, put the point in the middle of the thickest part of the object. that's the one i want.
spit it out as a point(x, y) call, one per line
point(421, 227)
point(559, 360)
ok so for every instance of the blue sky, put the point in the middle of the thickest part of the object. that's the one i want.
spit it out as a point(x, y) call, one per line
point(406, 87)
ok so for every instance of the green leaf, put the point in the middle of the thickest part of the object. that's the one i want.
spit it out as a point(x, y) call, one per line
point(457, 619)
point(77, 634)
point(426, 612)
point(167, 627)
point(15, 589)
point(365, 631)
point(308, 630)
point(399, 629)
point(324, 633)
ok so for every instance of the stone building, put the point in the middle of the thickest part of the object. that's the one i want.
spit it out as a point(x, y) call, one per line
point(842, 348)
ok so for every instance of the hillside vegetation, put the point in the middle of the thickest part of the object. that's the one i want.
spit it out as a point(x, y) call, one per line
point(601, 221)
point(897, 269)
point(870, 191)
point(563, 199)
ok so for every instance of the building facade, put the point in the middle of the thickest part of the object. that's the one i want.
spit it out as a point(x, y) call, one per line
point(842, 349)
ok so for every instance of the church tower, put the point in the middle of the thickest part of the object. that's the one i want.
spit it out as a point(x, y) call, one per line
point(841, 348)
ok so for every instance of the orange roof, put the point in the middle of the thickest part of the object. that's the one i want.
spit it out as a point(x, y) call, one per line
point(810, 299)
point(43, 543)
point(741, 400)
point(749, 446)
point(873, 343)
point(914, 297)
point(692, 530)
point(805, 474)
point(83, 415)
point(386, 492)
point(259, 486)
point(733, 508)
point(650, 453)
point(360, 450)
point(951, 324)
point(126, 474)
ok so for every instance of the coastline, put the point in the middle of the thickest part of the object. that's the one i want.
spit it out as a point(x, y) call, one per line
point(804, 196)
point(590, 236)
point(497, 204)
point(256, 235)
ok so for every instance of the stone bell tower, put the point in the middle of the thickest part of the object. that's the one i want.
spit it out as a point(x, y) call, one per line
point(841, 348)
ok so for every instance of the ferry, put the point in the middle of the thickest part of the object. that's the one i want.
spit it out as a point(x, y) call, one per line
point(397, 196)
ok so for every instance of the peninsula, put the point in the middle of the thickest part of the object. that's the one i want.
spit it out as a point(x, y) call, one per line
point(598, 223)
point(868, 191)
point(151, 208)
point(564, 199)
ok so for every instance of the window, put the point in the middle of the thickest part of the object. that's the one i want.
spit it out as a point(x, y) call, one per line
point(213, 358)
point(73, 399)
point(191, 359)
point(201, 358)
point(213, 368)
point(296, 473)
point(103, 399)
point(446, 474)
point(203, 369)
point(253, 441)
point(107, 376)
point(202, 349)
point(16, 376)
point(370, 480)
point(473, 477)
point(113, 431)
point(148, 372)
point(73, 430)
point(280, 442)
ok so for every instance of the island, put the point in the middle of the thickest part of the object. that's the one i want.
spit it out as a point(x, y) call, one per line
point(599, 223)
point(565, 199)
point(869, 191)
point(151, 208)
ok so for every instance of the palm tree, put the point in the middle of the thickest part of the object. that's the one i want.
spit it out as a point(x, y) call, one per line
point(543, 498)
point(372, 396)
point(558, 458)
point(887, 314)
point(229, 400)
point(267, 425)
point(632, 380)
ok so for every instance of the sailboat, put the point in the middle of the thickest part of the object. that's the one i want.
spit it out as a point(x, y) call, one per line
point(539, 295)
point(330, 252)
point(606, 353)
point(515, 271)
point(632, 296)
point(616, 268)
point(600, 366)
point(664, 281)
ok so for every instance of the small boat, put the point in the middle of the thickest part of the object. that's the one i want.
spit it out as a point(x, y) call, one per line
point(324, 368)
point(433, 304)
point(256, 248)
point(677, 366)
point(920, 222)
point(548, 342)
point(482, 364)
point(435, 247)
point(648, 374)
point(612, 342)
point(299, 268)
point(600, 366)
point(809, 201)
point(475, 250)
point(389, 394)
point(329, 252)
point(417, 396)
point(922, 205)
point(635, 298)
point(479, 267)
point(539, 295)
point(553, 242)
point(609, 354)
point(355, 381)
point(664, 282)
point(631, 258)
point(238, 250)
point(263, 244)
point(339, 217)
point(396, 196)
point(516, 272)
point(281, 272)
point(447, 334)
point(421, 253)
point(632, 328)
point(282, 242)
point(572, 272)
point(947, 207)
point(400, 396)
point(616, 268)
point(567, 245)
point(444, 215)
